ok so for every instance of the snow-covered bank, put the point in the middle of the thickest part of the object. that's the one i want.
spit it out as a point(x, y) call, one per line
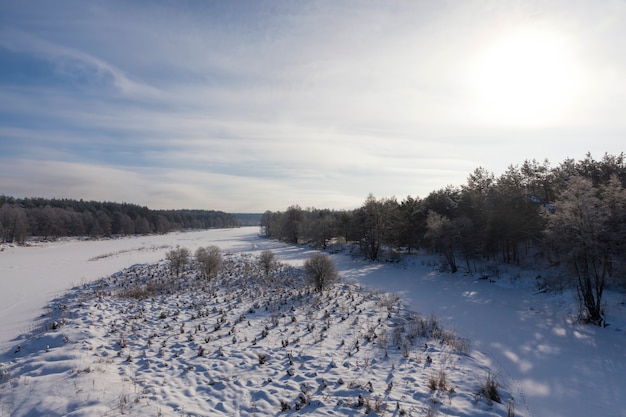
point(146, 342)
point(553, 366)
point(31, 276)
point(559, 368)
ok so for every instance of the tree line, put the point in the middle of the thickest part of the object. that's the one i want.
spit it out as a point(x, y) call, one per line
point(571, 215)
point(53, 218)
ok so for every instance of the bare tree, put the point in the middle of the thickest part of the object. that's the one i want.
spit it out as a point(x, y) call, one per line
point(266, 224)
point(127, 225)
point(14, 223)
point(267, 261)
point(104, 223)
point(142, 226)
point(162, 225)
point(320, 270)
point(322, 228)
point(292, 224)
point(178, 259)
point(209, 260)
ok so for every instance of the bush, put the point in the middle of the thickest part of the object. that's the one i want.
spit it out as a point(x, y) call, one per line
point(178, 259)
point(489, 388)
point(267, 261)
point(209, 260)
point(320, 271)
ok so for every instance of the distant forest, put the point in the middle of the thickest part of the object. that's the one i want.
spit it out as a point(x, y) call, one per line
point(53, 218)
point(572, 215)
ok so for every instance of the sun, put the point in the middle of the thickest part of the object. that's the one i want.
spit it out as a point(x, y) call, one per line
point(526, 77)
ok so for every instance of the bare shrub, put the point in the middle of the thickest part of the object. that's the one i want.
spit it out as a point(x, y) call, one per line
point(510, 409)
point(382, 340)
point(178, 259)
point(379, 406)
point(432, 383)
point(284, 406)
point(439, 381)
point(489, 388)
point(209, 260)
point(431, 412)
point(320, 270)
point(442, 382)
point(263, 358)
point(456, 342)
point(267, 261)
point(397, 335)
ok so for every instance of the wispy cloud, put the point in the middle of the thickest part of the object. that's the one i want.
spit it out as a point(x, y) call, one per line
point(74, 63)
point(223, 106)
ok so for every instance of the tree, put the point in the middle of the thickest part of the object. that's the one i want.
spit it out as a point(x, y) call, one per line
point(14, 223)
point(538, 179)
point(178, 259)
point(292, 224)
point(614, 198)
point(444, 201)
point(266, 223)
point(442, 234)
point(582, 232)
point(104, 223)
point(515, 216)
point(474, 200)
point(409, 224)
point(123, 224)
point(322, 228)
point(267, 261)
point(142, 226)
point(162, 225)
point(345, 223)
point(320, 271)
point(46, 222)
point(209, 260)
point(374, 219)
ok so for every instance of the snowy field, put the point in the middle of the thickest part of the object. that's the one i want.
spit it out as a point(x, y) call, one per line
point(77, 338)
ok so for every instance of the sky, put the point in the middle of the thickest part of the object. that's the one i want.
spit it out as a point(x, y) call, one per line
point(247, 106)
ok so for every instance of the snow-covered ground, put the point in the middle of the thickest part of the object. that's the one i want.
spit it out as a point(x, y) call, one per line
point(108, 356)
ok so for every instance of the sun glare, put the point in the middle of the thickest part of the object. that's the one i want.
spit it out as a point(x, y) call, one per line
point(523, 78)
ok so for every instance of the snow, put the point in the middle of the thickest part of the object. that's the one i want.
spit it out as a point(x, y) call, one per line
point(558, 367)
point(97, 359)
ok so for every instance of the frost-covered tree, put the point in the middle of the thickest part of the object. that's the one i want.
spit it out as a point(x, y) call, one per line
point(14, 223)
point(142, 226)
point(104, 223)
point(585, 231)
point(209, 260)
point(443, 236)
point(267, 261)
point(178, 259)
point(320, 271)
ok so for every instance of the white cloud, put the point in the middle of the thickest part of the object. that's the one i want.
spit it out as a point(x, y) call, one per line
point(310, 103)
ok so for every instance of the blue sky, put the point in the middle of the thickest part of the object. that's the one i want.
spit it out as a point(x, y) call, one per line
point(246, 106)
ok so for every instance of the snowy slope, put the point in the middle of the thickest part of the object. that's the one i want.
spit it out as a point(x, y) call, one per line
point(143, 342)
point(549, 364)
point(32, 276)
point(558, 368)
